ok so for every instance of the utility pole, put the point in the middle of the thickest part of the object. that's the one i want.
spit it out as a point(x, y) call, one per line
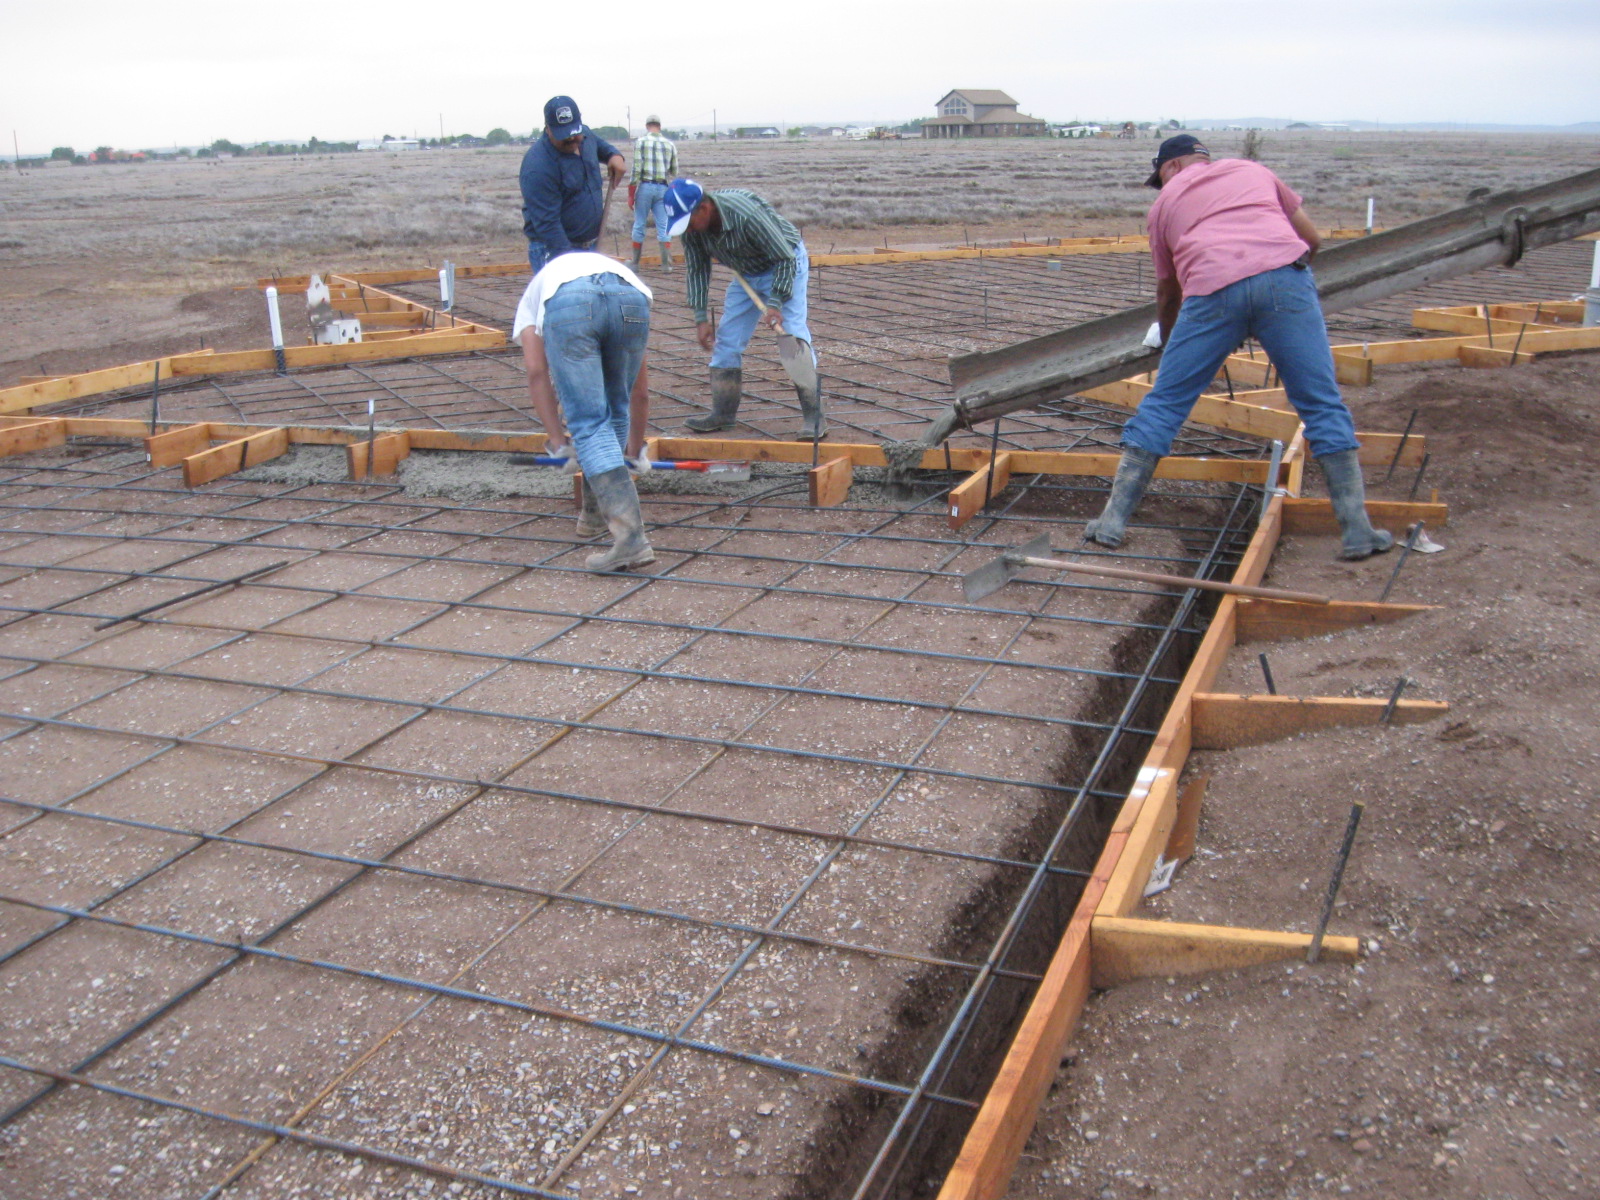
point(629, 119)
point(16, 152)
point(441, 128)
point(713, 124)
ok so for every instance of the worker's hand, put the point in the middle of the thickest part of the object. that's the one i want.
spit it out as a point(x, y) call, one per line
point(639, 464)
point(773, 317)
point(569, 465)
point(706, 335)
point(618, 165)
point(1153, 339)
point(633, 190)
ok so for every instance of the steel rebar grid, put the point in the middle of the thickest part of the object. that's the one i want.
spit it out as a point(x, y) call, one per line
point(201, 518)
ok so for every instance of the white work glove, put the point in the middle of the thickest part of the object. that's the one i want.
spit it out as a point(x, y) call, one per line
point(1153, 338)
point(640, 466)
point(569, 464)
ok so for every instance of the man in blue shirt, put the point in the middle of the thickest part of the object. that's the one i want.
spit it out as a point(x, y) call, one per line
point(562, 206)
point(562, 199)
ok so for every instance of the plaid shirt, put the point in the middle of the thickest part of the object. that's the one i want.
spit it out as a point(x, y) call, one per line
point(655, 160)
point(754, 239)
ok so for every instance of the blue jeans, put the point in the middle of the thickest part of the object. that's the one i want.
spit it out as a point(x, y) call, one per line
point(739, 313)
point(537, 256)
point(595, 329)
point(1280, 310)
point(650, 201)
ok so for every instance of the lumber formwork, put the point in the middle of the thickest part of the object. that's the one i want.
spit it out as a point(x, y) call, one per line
point(1105, 942)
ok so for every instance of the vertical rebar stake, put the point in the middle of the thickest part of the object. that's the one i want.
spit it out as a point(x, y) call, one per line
point(1401, 448)
point(1410, 544)
point(1394, 699)
point(155, 399)
point(1266, 673)
point(1314, 951)
point(994, 454)
point(1417, 482)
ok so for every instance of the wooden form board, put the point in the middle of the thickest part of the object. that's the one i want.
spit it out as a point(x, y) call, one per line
point(1437, 349)
point(1302, 515)
point(172, 446)
point(829, 482)
point(234, 456)
point(968, 497)
point(1141, 830)
point(1500, 318)
point(31, 435)
point(1226, 722)
point(1257, 420)
point(1280, 621)
point(381, 456)
point(1127, 948)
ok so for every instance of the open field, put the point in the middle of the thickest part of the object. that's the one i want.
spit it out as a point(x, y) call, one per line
point(103, 265)
point(676, 885)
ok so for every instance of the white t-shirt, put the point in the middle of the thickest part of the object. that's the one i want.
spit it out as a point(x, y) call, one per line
point(564, 268)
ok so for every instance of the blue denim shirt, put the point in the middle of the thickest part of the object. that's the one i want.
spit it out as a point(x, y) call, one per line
point(561, 193)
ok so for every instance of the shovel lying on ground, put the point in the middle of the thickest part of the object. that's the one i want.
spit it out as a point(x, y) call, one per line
point(794, 354)
point(995, 575)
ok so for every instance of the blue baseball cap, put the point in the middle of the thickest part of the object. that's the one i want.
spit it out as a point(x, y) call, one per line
point(1174, 147)
point(682, 196)
point(562, 118)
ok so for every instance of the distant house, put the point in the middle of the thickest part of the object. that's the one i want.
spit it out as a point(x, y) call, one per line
point(756, 131)
point(395, 144)
point(978, 112)
point(1076, 131)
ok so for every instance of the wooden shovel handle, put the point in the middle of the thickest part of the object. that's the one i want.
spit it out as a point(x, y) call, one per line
point(754, 296)
point(1182, 581)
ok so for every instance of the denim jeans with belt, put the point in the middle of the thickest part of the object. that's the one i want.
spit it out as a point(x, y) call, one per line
point(739, 313)
point(650, 200)
point(1280, 310)
point(595, 329)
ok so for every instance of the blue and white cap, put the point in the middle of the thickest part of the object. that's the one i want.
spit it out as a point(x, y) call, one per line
point(682, 197)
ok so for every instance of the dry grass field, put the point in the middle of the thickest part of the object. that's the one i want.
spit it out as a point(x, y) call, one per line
point(101, 265)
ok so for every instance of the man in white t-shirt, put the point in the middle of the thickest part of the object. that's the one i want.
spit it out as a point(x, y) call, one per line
point(591, 315)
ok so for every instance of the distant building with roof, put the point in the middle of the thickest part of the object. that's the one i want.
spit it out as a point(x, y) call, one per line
point(981, 112)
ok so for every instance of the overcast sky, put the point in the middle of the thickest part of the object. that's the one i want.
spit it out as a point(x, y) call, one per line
point(164, 72)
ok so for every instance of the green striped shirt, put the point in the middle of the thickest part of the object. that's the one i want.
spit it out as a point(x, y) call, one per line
point(654, 158)
point(754, 239)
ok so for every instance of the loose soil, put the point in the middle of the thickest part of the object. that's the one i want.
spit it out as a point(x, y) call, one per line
point(1459, 1058)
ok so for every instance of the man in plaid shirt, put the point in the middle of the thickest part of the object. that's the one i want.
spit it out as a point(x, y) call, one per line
point(655, 162)
point(742, 231)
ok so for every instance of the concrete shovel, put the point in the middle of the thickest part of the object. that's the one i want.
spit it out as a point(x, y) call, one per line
point(995, 575)
point(794, 354)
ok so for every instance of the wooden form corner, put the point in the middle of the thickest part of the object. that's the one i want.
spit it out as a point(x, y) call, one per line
point(829, 482)
point(969, 496)
point(31, 435)
point(381, 456)
point(234, 456)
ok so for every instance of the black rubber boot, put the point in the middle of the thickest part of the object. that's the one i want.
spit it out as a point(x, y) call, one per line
point(1349, 496)
point(812, 427)
point(666, 257)
point(1127, 489)
point(590, 523)
point(618, 502)
point(727, 387)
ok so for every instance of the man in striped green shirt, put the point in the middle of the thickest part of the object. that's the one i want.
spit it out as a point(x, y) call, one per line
point(741, 230)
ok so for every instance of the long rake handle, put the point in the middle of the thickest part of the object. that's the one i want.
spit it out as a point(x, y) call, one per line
point(755, 296)
point(1182, 581)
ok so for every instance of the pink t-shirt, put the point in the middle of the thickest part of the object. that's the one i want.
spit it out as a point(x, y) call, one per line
point(1219, 222)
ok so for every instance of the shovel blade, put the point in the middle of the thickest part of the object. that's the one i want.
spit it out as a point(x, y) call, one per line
point(795, 356)
point(993, 576)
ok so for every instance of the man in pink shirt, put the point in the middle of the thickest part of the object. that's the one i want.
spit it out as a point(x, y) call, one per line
point(1232, 249)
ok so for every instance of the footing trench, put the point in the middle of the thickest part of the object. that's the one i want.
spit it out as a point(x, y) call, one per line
point(356, 841)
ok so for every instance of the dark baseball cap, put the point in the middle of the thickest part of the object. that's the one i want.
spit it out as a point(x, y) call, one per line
point(562, 118)
point(1173, 147)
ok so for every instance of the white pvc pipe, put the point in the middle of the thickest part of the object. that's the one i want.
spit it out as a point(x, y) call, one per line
point(1372, 206)
point(444, 287)
point(272, 315)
